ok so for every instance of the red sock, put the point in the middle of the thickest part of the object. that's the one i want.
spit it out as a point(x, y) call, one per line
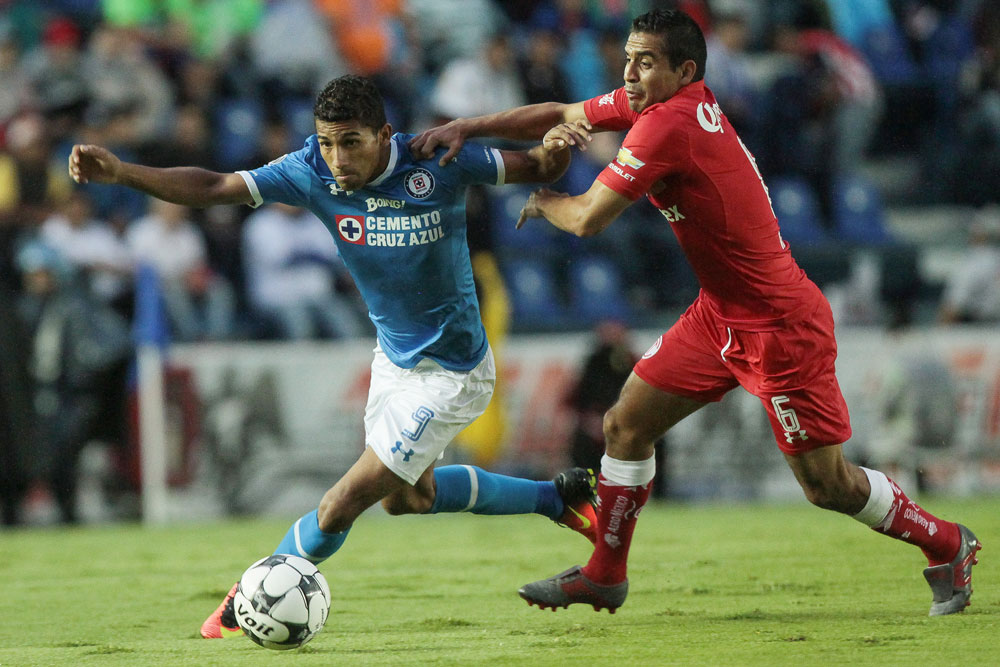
point(909, 522)
point(618, 509)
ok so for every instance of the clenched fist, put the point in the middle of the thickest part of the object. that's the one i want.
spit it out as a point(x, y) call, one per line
point(88, 163)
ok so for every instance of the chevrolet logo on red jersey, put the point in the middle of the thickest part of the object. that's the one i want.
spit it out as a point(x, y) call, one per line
point(626, 159)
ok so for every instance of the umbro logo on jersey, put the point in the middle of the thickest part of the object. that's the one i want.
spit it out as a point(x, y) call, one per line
point(710, 117)
point(351, 228)
point(608, 98)
point(419, 183)
point(626, 159)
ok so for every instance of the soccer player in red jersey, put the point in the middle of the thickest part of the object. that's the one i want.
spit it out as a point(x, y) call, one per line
point(758, 322)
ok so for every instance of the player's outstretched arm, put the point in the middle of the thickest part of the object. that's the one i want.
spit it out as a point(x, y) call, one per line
point(524, 123)
point(190, 186)
point(547, 162)
point(583, 215)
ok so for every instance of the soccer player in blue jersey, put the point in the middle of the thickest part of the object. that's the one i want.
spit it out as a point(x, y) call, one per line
point(400, 226)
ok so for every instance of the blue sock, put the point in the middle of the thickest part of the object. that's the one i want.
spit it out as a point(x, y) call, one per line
point(470, 489)
point(305, 539)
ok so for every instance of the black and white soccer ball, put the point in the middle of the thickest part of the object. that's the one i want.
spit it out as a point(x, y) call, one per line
point(282, 601)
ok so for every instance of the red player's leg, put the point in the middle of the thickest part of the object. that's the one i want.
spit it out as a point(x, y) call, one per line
point(831, 482)
point(641, 414)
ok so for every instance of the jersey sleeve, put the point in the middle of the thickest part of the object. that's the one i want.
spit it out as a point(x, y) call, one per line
point(286, 179)
point(479, 165)
point(610, 111)
point(655, 147)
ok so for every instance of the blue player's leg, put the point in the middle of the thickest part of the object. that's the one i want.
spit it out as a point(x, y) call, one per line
point(317, 535)
point(568, 499)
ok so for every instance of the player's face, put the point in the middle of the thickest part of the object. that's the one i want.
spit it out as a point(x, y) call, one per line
point(649, 78)
point(355, 154)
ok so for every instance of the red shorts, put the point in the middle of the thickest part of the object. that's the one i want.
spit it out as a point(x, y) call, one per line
point(791, 371)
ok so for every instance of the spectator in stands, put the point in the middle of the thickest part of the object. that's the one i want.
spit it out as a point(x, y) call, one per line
point(976, 177)
point(825, 113)
point(450, 29)
point(78, 357)
point(211, 28)
point(601, 378)
point(200, 303)
point(293, 50)
point(727, 68)
point(93, 249)
point(188, 141)
point(292, 267)
point(972, 292)
point(378, 40)
point(481, 84)
point(30, 181)
point(13, 80)
point(121, 76)
point(541, 75)
point(57, 77)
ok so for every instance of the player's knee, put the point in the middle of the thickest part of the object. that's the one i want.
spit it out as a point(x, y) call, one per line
point(333, 517)
point(623, 437)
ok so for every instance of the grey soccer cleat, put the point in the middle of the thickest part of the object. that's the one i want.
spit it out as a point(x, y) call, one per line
point(572, 587)
point(951, 583)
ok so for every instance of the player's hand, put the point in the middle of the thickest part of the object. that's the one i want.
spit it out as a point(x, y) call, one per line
point(532, 207)
point(92, 163)
point(452, 135)
point(564, 135)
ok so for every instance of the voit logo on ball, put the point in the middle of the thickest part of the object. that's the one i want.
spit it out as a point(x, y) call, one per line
point(419, 183)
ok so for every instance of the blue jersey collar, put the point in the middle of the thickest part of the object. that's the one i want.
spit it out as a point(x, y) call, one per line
point(389, 168)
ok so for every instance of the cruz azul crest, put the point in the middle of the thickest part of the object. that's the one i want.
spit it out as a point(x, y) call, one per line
point(419, 183)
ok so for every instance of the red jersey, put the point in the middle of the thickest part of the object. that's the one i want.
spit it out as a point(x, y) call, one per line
point(686, 158)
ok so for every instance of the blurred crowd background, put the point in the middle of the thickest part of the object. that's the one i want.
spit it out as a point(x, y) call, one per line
point(875, 123)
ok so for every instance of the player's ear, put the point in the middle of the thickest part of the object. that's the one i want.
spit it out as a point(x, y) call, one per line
point(688, 71)
point(385, 133)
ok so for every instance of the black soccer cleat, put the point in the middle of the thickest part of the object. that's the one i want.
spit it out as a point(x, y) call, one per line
point(577, 488)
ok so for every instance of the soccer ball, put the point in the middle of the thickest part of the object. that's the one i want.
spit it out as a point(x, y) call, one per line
point(282, 601)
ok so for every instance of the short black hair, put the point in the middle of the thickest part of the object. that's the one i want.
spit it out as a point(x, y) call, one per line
point(683, 38)
point(351, 97)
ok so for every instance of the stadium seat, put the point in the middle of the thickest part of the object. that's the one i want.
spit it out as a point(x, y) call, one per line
point(887, 53)
point(858, 212)
point(797, 209)
point(536, 238)
point(239, 125)
point(297, 114)
point(596, 290)
point(533, 294)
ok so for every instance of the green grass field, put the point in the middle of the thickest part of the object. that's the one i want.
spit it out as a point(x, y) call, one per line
point(710, 585)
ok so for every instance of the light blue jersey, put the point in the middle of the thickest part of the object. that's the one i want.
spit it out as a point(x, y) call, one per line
point(403, 238)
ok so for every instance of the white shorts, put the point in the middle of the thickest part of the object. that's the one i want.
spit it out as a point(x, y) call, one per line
point(413, 413)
